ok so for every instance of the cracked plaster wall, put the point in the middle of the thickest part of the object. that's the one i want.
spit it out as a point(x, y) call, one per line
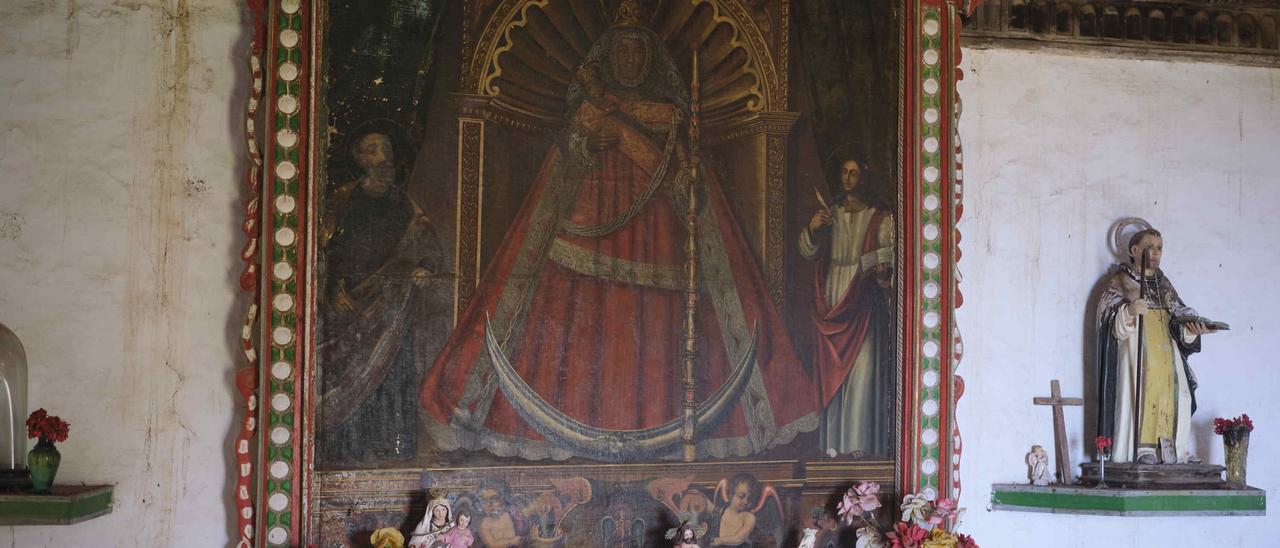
point(1058, 147)
point(120, 167)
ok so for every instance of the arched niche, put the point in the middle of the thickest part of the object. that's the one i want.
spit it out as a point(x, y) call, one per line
point(514, 82)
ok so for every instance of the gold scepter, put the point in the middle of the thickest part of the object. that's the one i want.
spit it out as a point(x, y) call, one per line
point(691, 269)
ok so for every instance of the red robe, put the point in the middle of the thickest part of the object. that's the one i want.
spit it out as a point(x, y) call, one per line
point(842, 328)
point(595, 324)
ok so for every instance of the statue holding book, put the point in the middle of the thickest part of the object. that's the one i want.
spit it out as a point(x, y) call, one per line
point(1146, 390)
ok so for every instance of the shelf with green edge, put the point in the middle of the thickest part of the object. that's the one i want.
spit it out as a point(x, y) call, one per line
point(67, 504)
point(1062, 499)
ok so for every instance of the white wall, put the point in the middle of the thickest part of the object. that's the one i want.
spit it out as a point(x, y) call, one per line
point(1056, 149)
point(120, 157)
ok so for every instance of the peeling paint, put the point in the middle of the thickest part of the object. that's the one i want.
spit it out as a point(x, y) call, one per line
point(10, 225)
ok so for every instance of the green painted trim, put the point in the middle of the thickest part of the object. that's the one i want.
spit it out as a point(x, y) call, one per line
point(1116, 501)
point(58, 509)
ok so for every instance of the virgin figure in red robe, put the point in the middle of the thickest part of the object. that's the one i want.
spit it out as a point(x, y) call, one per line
point(586, 294)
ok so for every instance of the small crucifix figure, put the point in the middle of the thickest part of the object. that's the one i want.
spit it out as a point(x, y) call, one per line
point(1056, 400)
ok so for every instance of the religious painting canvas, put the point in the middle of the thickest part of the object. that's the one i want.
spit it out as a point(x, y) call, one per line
point(585, 270)
point(582, 243)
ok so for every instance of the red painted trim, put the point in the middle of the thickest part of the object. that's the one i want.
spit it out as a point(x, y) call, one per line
point(264, 306)
point(301, 401)
point(910, 251)
point(305, 453)
point(947, 29)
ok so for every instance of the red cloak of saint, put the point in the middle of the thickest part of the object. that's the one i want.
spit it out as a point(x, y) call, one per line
point(586, 295)
point(842, 328)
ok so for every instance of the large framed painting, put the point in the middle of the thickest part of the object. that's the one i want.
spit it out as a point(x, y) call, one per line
point(580, 271)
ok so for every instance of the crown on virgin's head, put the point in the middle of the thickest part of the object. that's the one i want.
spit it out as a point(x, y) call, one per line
point(627, 14)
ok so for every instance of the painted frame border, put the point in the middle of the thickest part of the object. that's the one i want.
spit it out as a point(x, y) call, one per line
point(273, 448)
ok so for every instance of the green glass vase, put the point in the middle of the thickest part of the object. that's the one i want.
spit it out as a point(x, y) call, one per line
point(1237, 453)
point(43, 462)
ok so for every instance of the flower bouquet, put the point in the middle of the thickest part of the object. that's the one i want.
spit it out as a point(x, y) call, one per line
point(1235, 442)
point(923, 524)
point(44, 459)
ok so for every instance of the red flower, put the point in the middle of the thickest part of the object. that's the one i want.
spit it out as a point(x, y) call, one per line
point(1234, 426)
point(1102, 443)
point(966, 541)
point(907, 536)
point(47, 427)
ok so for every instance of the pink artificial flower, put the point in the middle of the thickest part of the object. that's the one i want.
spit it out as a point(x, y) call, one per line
point(965, 541)
point(868, 495)
point(907, 536)
point(915, 508)
point(869, 538)
point(942, 509)
point(858, 500)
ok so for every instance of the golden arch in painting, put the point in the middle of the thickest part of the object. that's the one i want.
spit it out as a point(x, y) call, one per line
point(529, 49)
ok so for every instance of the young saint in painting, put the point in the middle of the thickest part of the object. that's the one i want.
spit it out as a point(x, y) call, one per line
point(586, 295)
point(1140, 309)
point(853, 244)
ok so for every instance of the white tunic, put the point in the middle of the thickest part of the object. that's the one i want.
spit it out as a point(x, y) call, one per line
point(1126, 332)
point(849, 421)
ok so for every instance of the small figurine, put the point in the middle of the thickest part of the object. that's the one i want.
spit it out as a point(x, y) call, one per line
point(459, 536)
point(1038, 466)
point(809, 536)
point(437, 521)
point(684, 536)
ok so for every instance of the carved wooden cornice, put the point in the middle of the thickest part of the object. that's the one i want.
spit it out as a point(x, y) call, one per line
point(753, 123)
point(492, 109)
point(1225, 31)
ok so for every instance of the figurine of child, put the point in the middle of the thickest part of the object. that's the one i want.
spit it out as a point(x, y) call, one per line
point(1038, 466)
point(460, 535)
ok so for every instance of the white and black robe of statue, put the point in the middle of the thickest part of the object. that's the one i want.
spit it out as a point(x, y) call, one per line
point(1117, 335)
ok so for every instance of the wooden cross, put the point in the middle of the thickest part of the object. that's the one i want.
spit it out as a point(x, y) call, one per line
point(1056, 400)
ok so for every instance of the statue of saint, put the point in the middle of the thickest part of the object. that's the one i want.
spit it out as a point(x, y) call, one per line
point(437, 522)
point(1146, 391)
point(586, 294)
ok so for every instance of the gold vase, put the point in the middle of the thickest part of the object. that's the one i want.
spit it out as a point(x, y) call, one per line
point(1237, 451)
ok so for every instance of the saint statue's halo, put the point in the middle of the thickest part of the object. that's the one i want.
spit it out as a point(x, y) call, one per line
point(1121, 231)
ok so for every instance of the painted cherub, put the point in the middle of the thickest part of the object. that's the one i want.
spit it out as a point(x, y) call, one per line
point(745, 497)
point(497, 528)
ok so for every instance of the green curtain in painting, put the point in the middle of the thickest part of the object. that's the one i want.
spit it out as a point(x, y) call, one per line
point(848, 60)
